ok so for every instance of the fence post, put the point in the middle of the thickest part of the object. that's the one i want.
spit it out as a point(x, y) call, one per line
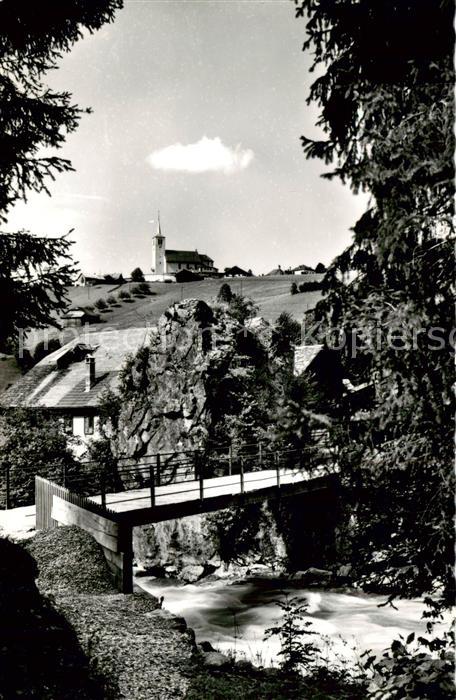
point(158, 470)
point(201, 478)
point(152, 485)
point(230, 460)
point(64, 475)
point(242, 474)
point(103, 488)
point(8, 490)
point(277, 461)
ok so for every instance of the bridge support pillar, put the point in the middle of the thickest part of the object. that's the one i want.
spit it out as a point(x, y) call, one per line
point(121, 562)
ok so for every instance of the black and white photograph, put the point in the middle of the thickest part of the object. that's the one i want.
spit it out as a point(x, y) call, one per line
point(227, 330)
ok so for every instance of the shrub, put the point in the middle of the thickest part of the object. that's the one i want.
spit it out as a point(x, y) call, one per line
point(286, 333)
point(293, 288)
point(111, 300)
point(144, 288)
point(101, 304)
point(137, 275)
point(225, 294)
point(310, 286)
point(123, 294)
point(33, 443)
point(242, 308)
point(296, 649)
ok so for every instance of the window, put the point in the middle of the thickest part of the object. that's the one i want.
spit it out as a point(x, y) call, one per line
point(88, 425)
point(67, 425)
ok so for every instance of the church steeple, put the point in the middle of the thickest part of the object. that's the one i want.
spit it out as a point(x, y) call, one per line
point(158, 250)
point(159, 233)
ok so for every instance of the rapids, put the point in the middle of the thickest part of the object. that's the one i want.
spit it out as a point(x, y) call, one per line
point(233, 616)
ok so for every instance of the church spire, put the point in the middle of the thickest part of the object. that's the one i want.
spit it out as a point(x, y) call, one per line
point(159, 233)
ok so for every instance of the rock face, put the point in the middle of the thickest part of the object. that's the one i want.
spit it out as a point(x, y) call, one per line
point(171, 386)
point(180, 547)
point(189, 549)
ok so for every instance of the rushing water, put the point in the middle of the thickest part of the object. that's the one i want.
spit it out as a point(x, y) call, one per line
point(234, 616)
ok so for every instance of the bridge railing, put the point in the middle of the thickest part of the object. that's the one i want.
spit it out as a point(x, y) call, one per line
point(89, 478)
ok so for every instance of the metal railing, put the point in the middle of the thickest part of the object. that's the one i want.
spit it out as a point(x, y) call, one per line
point(89, 478)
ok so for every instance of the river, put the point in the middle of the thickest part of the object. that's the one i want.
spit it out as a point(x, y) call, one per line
point(233, 616)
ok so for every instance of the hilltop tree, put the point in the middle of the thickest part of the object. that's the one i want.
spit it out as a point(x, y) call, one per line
point(286, 334)
point(33, 118)
point(320, 268)
point(225, 293)
point(385, 94)
point(137, 275)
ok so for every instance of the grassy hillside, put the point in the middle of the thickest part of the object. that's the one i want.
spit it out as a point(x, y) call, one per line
point(271, 294)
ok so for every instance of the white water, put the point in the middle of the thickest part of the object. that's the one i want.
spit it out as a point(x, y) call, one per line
point(234, 616)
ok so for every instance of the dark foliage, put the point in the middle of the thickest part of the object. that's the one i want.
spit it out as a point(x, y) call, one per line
point(137, 275)
point(385, 93)
point(286, 334)
point(310, 286)
point(33, 283)
point(33, 443)
point(34, 271)
point(225, 294)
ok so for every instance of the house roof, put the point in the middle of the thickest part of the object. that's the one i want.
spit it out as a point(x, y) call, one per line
point(304, 355)
point(186, 257)
point(303, 267)
point(205, 258)
point(58, 381)
point(235, 270)
point(75, 313)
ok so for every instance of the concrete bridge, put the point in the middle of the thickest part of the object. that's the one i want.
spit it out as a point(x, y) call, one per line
point(175, 485)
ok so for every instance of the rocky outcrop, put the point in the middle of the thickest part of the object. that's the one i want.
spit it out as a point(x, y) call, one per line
point(170, 387)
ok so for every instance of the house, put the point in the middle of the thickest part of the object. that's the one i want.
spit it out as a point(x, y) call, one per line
point(83, 280)
point(166, 262)
point(78, 317)
point(323, 365)
point(70, 381)
point(303, 270)
point(236, 271)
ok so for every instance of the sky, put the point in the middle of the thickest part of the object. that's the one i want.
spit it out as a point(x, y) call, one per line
point(198, 108)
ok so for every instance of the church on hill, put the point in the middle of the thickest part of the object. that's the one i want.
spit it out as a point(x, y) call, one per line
point(166, 263)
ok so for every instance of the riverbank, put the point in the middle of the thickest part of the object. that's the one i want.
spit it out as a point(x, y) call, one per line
point(76, 637)
point(125, 646)
point(66, 632)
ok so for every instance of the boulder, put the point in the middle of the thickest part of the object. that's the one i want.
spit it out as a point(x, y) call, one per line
point(214, 659)
point(313, 576)
point(191, 573)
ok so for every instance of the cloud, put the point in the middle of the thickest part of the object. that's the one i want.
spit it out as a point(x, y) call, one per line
point(206, 155)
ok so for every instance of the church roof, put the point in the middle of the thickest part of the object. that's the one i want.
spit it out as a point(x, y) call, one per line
point(187, 256)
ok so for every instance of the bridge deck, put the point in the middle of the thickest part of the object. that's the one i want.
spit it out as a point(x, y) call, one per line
point(186, 497)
